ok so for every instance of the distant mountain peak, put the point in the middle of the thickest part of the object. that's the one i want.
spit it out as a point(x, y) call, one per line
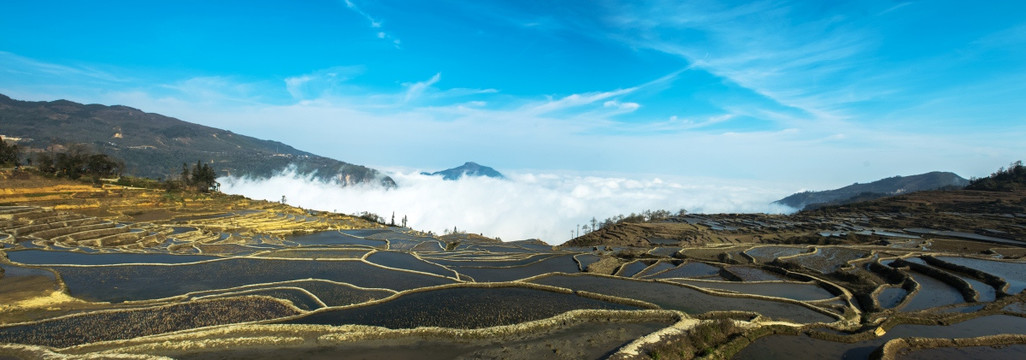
point(469, 168)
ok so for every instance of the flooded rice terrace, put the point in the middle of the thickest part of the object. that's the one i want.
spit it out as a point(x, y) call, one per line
point(264, 284)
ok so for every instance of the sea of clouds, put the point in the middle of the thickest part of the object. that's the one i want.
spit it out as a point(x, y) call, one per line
point(546, 206)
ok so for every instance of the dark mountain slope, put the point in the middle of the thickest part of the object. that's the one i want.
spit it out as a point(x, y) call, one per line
point(153, 145)
point(885, 187)
point(467, 169)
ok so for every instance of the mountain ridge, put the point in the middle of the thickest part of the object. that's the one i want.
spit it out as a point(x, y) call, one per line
point(154, 145)
point(856, 192)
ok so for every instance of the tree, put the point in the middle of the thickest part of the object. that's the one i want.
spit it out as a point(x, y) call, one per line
point(8, 153)
point(185, 174)
point(203, 177)
point(101, 165)
point(44, 163)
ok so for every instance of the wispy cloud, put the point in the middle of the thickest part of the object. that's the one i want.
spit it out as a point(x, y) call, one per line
point(16, 64)
point(761, 46)
point(574, 100)
point(415, 90)
point(374, 23)
point(320, 83)
point(894, 8)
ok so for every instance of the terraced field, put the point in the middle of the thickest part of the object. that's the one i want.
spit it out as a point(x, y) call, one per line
point(111, 271)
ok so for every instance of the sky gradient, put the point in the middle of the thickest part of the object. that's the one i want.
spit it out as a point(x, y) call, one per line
point(814, 94)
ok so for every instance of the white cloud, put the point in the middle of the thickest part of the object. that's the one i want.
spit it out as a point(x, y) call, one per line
point(294, 85)
point(415, 90)
point(623, 106)
point(527, 205)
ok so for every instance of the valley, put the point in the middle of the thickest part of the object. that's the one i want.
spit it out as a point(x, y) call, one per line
point(102, 270)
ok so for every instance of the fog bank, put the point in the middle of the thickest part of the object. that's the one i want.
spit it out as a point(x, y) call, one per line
point(525, 205)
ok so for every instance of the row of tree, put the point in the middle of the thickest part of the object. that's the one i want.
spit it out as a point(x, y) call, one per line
point(76, 162)
point(79, 161)
point(644, 216)
point(201, 178)
point(1003, 180)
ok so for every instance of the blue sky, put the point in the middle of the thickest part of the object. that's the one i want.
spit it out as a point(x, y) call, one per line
point(815, 94)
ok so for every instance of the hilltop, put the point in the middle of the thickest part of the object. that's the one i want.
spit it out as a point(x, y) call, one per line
point(155, 146)
point(987, 217)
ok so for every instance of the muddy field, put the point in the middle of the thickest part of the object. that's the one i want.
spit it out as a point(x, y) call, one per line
point(105, 271)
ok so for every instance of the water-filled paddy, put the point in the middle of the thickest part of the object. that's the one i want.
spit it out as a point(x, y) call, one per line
point(226, 249)
point(502, 248)
point(586, 259)
point(584, 340)
point(748, 273)
point(37, 257)
point(535, 247)
point(317, 253)
point(676, 297)
point(561, 263)
point(1013, 272)
point(632, 268)
point(986, 292)
point(963, 235)
point(655, 269)
point(464, 308)
point(690, 269)
point(331, 293)
point(336, 238)
point(665, 251)
point(403, 260)
point(102, 326)
point(804, 347)
point(932, 293)
point(475, 260)
point(890, 297)
point(297, 296)
point(364, 232)
point(1003, 352)
point(140, 282)
point(407, 245)
point(766, 254)
point(828, 259)
point(789, 290)
point(19, 282)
